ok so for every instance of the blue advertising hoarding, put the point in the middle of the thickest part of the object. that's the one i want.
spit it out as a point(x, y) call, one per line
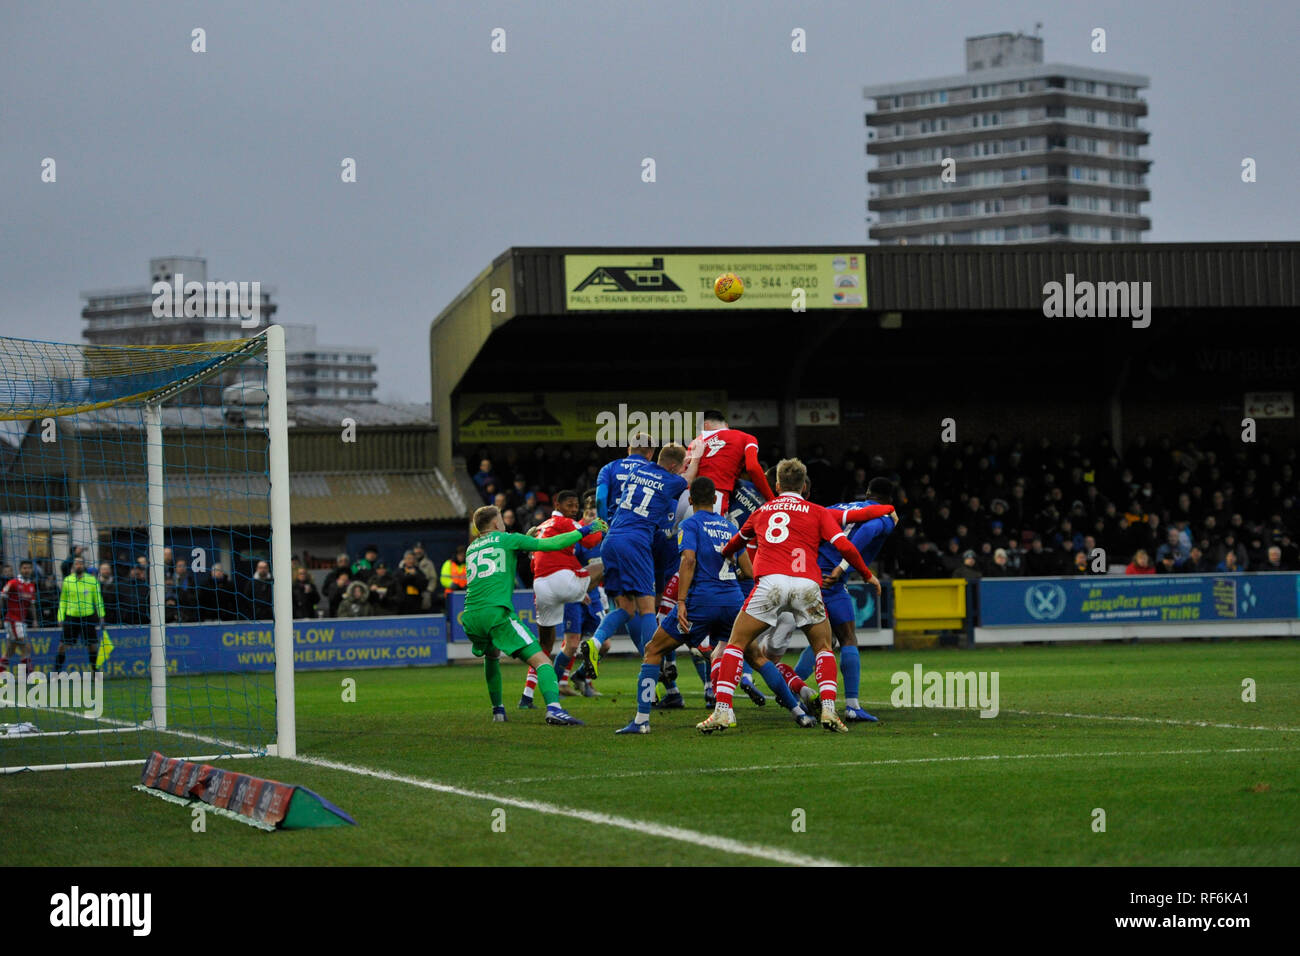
point(237, 646)
point(523, 600)
point(1138, 599)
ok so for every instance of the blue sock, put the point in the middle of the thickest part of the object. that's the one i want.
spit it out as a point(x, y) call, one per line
point(561, 663)
point(645, 690)
point(642, 628)
point(851, 668)
point(611, 622)
point(807, 663)
point(778, 685)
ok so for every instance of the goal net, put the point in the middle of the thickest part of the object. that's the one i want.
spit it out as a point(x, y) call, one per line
point(144, 552)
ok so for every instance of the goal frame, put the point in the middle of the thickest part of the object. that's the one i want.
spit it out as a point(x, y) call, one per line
point(277, 430)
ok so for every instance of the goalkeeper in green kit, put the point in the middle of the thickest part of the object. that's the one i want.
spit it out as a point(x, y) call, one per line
point(489, 617)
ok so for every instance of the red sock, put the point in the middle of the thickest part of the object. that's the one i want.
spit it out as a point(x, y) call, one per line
point(794, 680)
point(714, 667)
point(530, 682)
point(826, 675)
point(733, 662)
point(560, 675)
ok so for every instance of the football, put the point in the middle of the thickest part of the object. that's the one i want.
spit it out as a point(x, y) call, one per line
point(728, 287)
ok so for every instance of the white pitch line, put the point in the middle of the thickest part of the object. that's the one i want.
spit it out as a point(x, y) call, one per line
point(896, 761)
point(681, 834)
point(1141, 720)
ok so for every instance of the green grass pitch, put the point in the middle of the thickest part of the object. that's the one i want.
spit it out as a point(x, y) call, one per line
point(1156, 735)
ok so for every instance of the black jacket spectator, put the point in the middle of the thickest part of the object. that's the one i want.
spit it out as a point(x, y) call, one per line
point(408, 590)
point(336, 585)
point(383, 588)
point(305, 596)
point(187, 596)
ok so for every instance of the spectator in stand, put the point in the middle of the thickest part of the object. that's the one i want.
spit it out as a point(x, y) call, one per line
point(133, 597)
point(1273, 561)
point(952, 557)
point(341, 563)
point(1195, 562)
point(969, 568)
point(483, 478)
point(112, 599)
point(258, 593)
point(336, 585)
point(1256, 553)
point(410, 586)
point(998, 567)
point(452, 574)
point(383, 588)
point(1232, 546)
point(222, 600)
point(511, 522)
point(171, 611)
point(1173, 547)
point(1079, 565)
point(1166, 565)
point(356, 602)
point(187, 593)
point(430, 599)
point(1141, 563)
point(1038, 561)
point(517, 493)
point(364, 568)
point(1229, 563)
point(305, 595)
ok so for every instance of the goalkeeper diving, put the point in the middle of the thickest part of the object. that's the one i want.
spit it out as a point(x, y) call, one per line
point(489, 619)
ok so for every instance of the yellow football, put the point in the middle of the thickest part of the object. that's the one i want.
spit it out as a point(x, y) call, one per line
point(728, 287)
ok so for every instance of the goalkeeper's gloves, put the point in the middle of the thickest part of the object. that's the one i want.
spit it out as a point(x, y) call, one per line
point(596, 525)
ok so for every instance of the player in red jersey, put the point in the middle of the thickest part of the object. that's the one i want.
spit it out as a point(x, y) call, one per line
point(789, 531)
point(722, 455)
point(20, 611)
point(559, 578)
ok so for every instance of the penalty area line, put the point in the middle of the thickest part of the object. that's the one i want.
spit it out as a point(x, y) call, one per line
point(645, 827)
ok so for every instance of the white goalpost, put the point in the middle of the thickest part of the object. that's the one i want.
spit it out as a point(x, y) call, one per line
point(165, 469)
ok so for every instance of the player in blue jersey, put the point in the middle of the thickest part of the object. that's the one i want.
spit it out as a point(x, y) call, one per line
point(609, 491)
point(745, 499)
point(868, 537)
point(710, 595)
point(609, 483)
point(646, 505)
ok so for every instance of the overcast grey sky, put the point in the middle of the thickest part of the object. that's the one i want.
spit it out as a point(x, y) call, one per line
point(462, 153)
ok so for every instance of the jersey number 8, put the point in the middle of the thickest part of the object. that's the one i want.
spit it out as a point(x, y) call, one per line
point(778, 527)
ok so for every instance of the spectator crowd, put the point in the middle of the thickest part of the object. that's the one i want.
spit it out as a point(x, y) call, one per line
point(362, 588)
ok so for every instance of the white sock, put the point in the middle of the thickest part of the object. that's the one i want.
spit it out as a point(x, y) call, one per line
point(641, 718)
point(851, 703)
